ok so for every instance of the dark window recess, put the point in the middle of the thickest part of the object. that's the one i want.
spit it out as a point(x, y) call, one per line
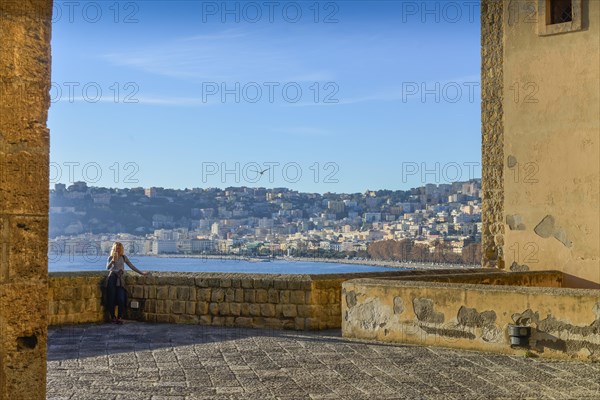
point(561, 11)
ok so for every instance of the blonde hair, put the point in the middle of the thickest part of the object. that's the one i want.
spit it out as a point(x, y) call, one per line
point(117, 251)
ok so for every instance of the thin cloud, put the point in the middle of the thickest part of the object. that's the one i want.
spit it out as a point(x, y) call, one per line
point(225, 56)
point(469, 86)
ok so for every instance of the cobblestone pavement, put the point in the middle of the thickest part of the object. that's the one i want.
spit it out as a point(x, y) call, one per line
point(160, 361)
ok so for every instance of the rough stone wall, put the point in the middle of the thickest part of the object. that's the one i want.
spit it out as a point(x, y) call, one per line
point(565, 322)
point(300, 302)
point(492, 130)
point(24, 156)
point(258, 302)
point(75, 299)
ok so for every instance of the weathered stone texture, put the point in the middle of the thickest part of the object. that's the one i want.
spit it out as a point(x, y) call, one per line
point(565, 323)
point(305, 302)
point(24, 156)
point(492, 142)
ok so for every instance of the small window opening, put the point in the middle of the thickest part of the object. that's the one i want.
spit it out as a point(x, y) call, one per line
point(561, 11)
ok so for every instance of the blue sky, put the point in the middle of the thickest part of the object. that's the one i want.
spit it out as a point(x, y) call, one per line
point(361, 95)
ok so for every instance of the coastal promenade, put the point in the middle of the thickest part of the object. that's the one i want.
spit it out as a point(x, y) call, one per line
point(143, 361)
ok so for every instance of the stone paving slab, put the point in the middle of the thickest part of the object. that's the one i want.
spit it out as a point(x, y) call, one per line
point(138, 361)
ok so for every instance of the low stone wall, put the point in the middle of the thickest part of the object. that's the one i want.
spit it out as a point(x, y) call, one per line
point(260, 300)
point(301, 302)
point(75, 298)
point(565, 322)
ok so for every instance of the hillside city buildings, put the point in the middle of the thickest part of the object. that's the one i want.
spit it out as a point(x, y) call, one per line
point(243, 220)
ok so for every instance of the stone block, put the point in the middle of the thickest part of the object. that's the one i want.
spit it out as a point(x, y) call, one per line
point(202, 308)
point(254, 310)
point(299, 324)
point(148, 317)
point(86, 292)
point(297, 297)
point(258, 322)
point(53, 307)
point(201, 282)
point(218, 295)
point(309, 297)
point(243, 321)
point(21, 173)
point(273, 323)
point(263, 283)
point(280, 284)
point(289, 310)
point(249, 295)
point(160, 307)
point(289, 324)
point(213, 308)
point(150, 292)
point(235, 309)
point(205, 319)
point(304, 311)
point(245, 309)
point(204, 294)
point(190, 307)
point(77, 293)
point(224, 309)
point(230, 321)
point(183, 293)
point(225, 283)
point(236, 283)
point(267, 310)
point(178, 307)
point(229, 295)
point(162, 293)
point(187, 319)
point(261, 296)
point(77, 307)
point(294, 285)
point(239, 295)
point(162, 318)
point(247, 283)
point(273, 296)
point(150, 306)
point(137, 292)
point(192, 293)
point(311, 323)
point(218, 321)
point(284, 296)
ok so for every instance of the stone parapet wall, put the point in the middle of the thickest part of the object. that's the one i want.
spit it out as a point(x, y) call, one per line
point(565, 323)
point(75, 298)
point(300, 302)
point(280, 302)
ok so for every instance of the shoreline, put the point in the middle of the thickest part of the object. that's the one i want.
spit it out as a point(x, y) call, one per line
point(374, 263)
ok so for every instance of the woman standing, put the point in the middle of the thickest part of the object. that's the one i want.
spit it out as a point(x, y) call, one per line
point(115, 285)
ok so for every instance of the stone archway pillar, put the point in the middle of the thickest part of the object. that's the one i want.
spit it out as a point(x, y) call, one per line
point(25, 27)
point(492, 133)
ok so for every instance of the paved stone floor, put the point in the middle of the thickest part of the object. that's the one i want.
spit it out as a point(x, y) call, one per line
point(153, 361)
